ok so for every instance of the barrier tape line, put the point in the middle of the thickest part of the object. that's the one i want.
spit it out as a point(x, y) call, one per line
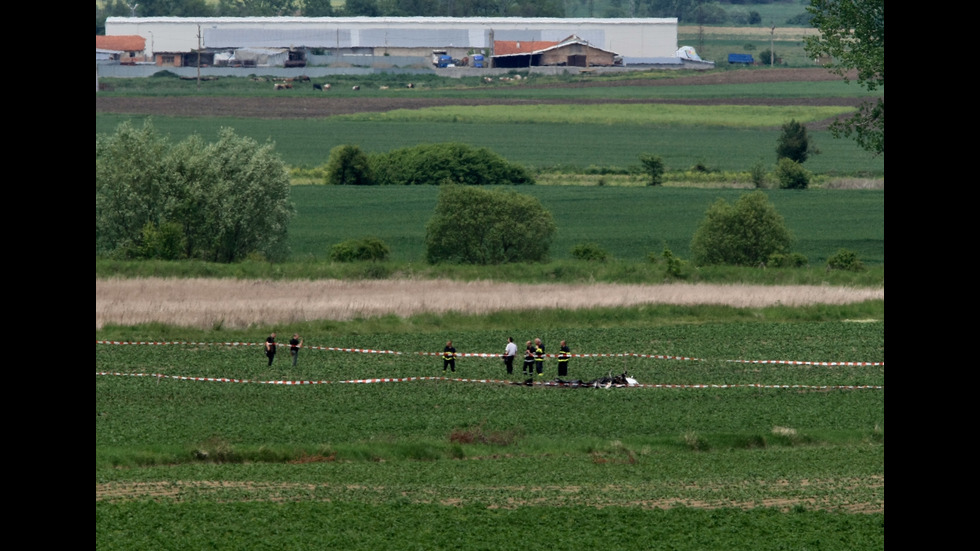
point(498, 356)
point(555, 384)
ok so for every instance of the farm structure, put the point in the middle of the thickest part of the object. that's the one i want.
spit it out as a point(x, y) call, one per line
point(573, 51)
point(176, 40)
point(122, 48)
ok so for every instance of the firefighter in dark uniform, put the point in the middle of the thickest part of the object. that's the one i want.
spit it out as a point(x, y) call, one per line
point(563, 357)
point(539, 357)
point(449, 357)
point(529, 359)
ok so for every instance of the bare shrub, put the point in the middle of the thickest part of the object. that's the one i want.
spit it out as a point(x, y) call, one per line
point(478, 435)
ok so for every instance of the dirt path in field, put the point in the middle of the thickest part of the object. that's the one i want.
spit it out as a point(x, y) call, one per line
point(233, 303)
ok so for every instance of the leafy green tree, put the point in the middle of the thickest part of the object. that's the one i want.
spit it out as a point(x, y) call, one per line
point(708, 13)
point(759, 174)
point(368, 8)
point(230, 198)
point(256, 8)
point(794, 143)
point(318, 8)
point(368, 248)
point(245, 194)
point(768, 57)
point(435, 164)
point(473, 8)
point(590, 252)
point(532, 8)
point(410, 8)
point(683, 10)
point(852, 33)
point(129, 177)
point(349, 166)
point(672, 265)
point(479, 226)
point(792, 175)
point(653, 165)
point(166, 242)
point(170, 8)
point(846, 260)
point(744, 234)
point(111, 8)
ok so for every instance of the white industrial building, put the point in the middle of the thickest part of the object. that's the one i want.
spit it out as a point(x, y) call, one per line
point(635, 40)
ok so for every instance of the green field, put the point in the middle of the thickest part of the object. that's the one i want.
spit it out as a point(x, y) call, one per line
point(753, 442)
point(628, 222)
point(307, 143)
point(450, 464)
point(720, 137)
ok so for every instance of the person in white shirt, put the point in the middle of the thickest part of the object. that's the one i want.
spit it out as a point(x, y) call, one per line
point(509, 354)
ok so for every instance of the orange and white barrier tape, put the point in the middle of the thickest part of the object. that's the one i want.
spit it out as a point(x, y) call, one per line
point(498, 356)
point(554, 384)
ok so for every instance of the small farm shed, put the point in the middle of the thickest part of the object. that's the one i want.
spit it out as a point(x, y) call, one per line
point(262, 57)
point(122, 48)
point(184, 59)
point(572, 52)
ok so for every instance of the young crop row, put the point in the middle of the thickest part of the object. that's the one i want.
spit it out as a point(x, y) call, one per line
point(402, 522)
point(415, 408)
point(181, 463)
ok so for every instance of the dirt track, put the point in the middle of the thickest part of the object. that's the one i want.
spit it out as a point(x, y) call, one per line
point(317, 107)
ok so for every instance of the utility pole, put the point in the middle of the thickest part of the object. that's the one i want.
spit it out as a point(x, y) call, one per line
point(772, 51)
point(701, 28)
point(198, 57)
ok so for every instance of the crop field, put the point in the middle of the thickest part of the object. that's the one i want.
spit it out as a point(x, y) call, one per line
point(627, 222)
point(307, 142)
point(724, 121)
point(705, 445)
point(755, 424)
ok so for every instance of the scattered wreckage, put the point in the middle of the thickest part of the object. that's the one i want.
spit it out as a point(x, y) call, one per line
point(608, 381)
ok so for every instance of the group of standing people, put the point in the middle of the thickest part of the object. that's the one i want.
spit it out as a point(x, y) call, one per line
point(534, 357)
point(295, 344)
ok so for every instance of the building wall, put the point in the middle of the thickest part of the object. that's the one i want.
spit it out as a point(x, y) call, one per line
point(559, 56)
point(641, 38)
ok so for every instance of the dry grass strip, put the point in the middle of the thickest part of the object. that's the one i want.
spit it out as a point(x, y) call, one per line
point(243, 303)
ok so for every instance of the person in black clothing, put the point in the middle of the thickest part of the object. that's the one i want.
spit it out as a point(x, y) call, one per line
point(295, 344)
point(529, 359)
point(270, 348)
point(563, 357)
point(449, 357)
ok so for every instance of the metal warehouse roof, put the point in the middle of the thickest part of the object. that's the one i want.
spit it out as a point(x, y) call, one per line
point(641, 37)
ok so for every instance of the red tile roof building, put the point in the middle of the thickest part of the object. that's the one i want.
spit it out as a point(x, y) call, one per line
point(122, 43)
point(510, 47)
